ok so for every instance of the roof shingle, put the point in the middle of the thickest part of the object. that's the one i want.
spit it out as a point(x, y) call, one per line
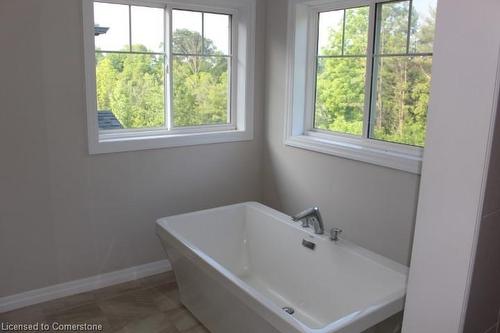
point(107, 120)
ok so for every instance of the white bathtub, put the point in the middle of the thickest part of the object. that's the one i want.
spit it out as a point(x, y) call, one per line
point(238, 266)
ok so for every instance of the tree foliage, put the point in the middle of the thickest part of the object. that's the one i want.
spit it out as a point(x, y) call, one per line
point(132, 85)
point(340, 86)
point(401, 87)
point(200, 95)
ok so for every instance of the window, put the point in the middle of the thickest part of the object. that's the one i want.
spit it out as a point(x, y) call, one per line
point(201, 45)
point(130, 65)
point(364, 92)
point(161, 75)
point(340, 70)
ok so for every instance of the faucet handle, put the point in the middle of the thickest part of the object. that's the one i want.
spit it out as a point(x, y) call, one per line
point(334, 234)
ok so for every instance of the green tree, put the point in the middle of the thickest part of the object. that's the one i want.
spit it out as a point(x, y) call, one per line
point(200, 83)
point(340, 85)
point(132, 85)
point(403, 82)
point(401, 91)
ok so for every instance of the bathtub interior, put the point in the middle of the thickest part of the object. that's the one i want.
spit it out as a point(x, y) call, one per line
point(264, 249)
point(219, 233)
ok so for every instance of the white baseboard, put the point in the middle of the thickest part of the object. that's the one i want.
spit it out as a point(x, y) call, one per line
point(36, 296)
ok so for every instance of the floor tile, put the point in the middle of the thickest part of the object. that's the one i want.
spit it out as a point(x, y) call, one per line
point(166, 287)
point(168, 301)
point(68, 302)
point(89, 313)
point(197, 329)
point(182, 319)
point(30, 314)
point(147, 305)
point(125, 308)
point(157, 323)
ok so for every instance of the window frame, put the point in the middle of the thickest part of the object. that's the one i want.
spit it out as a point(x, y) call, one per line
point(302, 56)
point(240, 127)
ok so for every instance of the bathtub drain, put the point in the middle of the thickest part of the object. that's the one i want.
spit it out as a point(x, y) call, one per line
point(288, 309)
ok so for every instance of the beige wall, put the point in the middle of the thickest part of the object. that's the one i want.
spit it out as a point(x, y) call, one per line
point(374, 205)
point(64, 214)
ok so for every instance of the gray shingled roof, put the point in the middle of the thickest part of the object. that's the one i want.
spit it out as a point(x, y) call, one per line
point(107, 120)
point(100, 30)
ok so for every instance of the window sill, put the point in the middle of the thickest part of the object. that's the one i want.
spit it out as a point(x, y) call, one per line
point(146, 141)
point(403, 158)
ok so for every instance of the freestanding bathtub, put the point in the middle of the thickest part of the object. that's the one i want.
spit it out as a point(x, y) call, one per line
point(238, 266)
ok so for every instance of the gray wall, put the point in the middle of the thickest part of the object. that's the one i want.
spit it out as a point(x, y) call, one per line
point(64, 214)
point(483, 308)
point(374, 205)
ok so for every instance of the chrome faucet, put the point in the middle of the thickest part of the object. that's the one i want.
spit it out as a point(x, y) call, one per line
point(312, 217)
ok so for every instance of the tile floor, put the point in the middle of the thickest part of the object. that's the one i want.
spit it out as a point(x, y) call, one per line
point(148, 305)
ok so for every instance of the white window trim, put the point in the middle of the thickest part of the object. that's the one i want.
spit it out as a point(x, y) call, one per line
point(242, 93)
point(298, 132)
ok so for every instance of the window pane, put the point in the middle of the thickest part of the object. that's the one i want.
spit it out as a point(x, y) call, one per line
point(186, 26)
point(340, 94)
point(116, 19)
point(216, 30)
point(356, 31)
point(147, 29)
point(393, 27)
point(402, 96)
point(130, 89)
point(423, 26)
point(200, 89)
point(330, 32)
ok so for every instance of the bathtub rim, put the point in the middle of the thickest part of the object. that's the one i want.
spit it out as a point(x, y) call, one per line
point(353, 322)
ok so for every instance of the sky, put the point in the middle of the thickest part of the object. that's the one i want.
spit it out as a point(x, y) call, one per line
point(327, 22)
point(422, 6)
point(147, 26)
point(333, 19)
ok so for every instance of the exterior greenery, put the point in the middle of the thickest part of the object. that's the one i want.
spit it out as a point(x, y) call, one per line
point(401, 79)
point(200, 82)
point(132, 85)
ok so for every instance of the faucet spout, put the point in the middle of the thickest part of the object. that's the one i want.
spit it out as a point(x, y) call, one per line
point(312, 217)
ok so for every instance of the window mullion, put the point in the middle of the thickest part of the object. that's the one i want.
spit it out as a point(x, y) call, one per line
point(312, 65)
point(343, 33)
point(168, 67)
point(202, 33)
point(230, 90)
point(410, 11)
point(370, 70)
point(130, 28)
